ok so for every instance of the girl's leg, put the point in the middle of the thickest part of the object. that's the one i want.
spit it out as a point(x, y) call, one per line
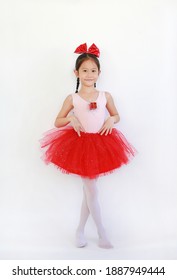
point(91, 195)
point(80, 238)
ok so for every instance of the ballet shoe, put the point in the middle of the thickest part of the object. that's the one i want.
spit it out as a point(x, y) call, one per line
point(105, 243)
point(80, 240)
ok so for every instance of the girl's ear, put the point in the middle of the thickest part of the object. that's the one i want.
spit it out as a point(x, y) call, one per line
point(99, 72)
point(76, 73)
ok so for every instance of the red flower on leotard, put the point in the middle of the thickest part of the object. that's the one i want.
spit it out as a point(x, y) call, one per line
point(93, 105)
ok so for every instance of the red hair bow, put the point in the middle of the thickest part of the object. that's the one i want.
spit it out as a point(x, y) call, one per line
point(92, 50)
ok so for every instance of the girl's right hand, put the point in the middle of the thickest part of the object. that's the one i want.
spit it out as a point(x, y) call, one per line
point(76, 125)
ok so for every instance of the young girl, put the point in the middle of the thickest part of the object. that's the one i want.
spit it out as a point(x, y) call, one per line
point(86, 143)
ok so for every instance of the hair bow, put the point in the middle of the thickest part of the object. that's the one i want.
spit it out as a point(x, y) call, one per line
point(92, 50)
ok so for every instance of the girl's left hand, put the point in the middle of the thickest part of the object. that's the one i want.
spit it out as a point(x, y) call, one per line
point(107, 126)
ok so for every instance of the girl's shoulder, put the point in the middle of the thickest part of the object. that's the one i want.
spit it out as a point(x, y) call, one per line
point(68, 98)
point(108, 95)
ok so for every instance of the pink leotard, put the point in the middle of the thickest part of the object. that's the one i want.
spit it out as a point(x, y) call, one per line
point(91, 120)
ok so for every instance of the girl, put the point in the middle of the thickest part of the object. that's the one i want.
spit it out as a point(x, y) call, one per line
point(86, 143)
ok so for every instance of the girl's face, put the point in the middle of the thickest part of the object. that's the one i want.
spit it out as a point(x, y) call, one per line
point(88, 73)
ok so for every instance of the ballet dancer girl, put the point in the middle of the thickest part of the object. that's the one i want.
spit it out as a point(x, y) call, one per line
point(85, 141)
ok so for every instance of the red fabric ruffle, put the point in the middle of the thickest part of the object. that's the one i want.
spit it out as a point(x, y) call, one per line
point(89, 155)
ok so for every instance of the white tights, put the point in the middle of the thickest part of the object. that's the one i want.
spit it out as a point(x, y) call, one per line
point(90, 205)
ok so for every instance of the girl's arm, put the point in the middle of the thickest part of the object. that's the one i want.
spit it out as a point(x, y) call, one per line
point(63, 119)
point(113, 118)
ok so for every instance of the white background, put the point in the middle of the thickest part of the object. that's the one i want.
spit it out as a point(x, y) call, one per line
point(39, 206)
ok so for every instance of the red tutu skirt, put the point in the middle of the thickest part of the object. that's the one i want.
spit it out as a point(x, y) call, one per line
point(89, 155)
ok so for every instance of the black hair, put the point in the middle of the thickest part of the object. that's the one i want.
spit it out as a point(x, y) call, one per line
point(77, 85)
point(81, 58)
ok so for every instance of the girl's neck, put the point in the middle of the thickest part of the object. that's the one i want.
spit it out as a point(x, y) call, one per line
point(87, 90)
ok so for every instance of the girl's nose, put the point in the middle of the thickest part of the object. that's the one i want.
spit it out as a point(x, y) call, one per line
point(90, 73)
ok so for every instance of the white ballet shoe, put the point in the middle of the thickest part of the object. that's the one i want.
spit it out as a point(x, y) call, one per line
point(80, 240)
point(105, 243)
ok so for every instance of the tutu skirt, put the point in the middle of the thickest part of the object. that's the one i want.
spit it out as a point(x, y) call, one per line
point(89, 155)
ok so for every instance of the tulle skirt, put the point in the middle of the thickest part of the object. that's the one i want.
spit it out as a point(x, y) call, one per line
point(89, 155)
